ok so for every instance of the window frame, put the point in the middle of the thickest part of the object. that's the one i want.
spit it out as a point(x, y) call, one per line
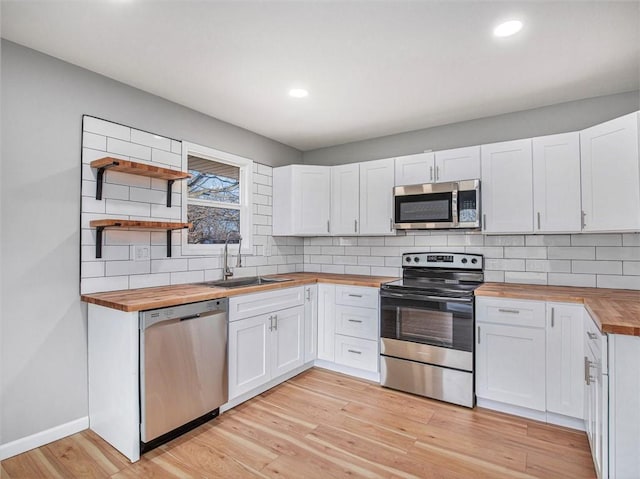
point(245, 206)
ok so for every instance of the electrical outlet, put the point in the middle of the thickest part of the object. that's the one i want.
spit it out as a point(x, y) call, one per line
point(141, 252)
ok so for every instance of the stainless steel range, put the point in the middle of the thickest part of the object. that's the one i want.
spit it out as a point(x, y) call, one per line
point(427, 326)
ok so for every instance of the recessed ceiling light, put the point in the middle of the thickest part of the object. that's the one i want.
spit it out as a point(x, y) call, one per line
point(298, 92)
point(507, 29)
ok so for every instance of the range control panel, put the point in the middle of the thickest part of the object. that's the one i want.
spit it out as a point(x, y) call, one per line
point(443, 260)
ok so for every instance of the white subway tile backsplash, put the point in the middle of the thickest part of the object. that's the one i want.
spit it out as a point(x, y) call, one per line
point(548, 240)
point(596, 267)
point(631, 239)
point(126, 179)
point(525, 277)
point(97, 142)
point(399, 241)
point(109, 253)
point(166, 158)
point(432, 240)
point(566, 279)
point(187, 277)
point(162, 212)
point(320, 241)
point(92, 269)
point(624, 282)
point(572, 252)
point(534, 252)
point(106, 128)
point(149, 280)
point(487, 251)
point(148, 139)
point(130, 149)
point(109, 190)
point(122, 268)
point(465, 240)
point(205, 263)
point(504, 264)
point(333, 268)
point(96, 285)
point(126, 238)
point(386, 271)
point(127, 208)
point(333, 250)
point(596, 240)
point(351, 260)
point(90, 154)
point(148, 196)
point(270, 269)
point(365, 270)
point(371, 260)
point(631, 268)
point(629, 253)
point(169, 265)
point(494, 276)
point(368, 241)
point(287, 268)
point(91, 205)
point(510, 240)
point(312, 268)
point(549, 265)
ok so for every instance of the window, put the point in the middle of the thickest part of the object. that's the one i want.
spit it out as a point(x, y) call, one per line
point(217, 199)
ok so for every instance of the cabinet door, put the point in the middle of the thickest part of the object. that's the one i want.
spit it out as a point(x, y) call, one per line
point(376, 197)
point(326, 321)
point(415, 169)
point(287, 340)
point(556, 183)
point(507, 187)
point(249, 354)
point(610, 175)
point(458, 164)
point(345, 199)
point(311, 201)
point(565, 360)
point(510, 363)
point(310, 322)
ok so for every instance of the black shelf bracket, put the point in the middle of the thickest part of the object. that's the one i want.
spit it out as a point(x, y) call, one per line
point(168, 243)
point(100, 179)
point(169, 191)
point(99, 231)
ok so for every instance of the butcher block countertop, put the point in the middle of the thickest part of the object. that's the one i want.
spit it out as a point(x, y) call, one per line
point(162, 296)
point(615, 311)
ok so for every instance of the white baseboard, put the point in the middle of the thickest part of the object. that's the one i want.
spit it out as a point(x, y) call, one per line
point(41, 438)
point(548, 417)
point(355, 372)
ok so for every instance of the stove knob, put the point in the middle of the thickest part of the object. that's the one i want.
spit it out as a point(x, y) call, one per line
point(464, 260)
point(408, 260)
point(416, 259)
point(474, 261)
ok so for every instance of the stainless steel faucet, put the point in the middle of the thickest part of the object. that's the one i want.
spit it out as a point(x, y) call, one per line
point(226, 272)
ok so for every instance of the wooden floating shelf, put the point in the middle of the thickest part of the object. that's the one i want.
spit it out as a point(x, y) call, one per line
point(135, 168)
point(169, 226)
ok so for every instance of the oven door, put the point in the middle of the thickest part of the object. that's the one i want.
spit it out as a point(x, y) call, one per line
point(433, 205)
point(427, 320)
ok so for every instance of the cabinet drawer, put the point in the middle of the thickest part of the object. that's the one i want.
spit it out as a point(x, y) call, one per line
point(360, 296)
point(357, 353)
point(357, 322)
point(248, 305)
point(511, 312)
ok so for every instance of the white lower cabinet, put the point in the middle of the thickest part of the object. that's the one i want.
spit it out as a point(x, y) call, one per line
point(356, 352)
point(511, 365)
point(326, 321)
point(565, 353)
point(529, 355)
point(264, 347)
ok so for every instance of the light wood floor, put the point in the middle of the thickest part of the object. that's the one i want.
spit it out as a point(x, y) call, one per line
point(325, 425)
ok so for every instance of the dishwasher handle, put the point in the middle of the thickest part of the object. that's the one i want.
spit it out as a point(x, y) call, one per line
point(183, 312)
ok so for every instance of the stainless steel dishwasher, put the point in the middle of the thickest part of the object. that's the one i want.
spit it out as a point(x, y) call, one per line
point(183, 368)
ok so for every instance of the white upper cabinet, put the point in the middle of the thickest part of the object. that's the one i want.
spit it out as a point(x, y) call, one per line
point(457, 164)
point(301, 200)
point(345, 199)
point(507, 187)
point(611, 175)
point(415, 169)
point(376, 197)
point(442, 166)
point(556, 183)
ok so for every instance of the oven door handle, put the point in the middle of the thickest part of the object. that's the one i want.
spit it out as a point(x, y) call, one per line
point(420, 297)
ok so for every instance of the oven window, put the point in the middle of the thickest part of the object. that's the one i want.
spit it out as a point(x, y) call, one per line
point(427, 208)
point(447, 324)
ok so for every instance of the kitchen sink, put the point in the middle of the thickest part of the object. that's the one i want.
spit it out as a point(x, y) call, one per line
point(240, 282)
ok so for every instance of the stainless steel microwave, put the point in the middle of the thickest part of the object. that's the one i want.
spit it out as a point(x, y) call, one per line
point(449, 205)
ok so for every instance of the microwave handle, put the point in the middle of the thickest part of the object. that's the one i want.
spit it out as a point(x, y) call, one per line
point(454, 205)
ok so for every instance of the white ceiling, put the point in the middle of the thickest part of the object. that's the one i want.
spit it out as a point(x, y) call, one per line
point(372, 68)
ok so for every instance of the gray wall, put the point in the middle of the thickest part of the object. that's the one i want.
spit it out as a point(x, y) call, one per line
point(560, 118)
point(43, 343)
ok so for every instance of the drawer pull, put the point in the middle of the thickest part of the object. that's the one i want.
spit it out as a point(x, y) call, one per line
point(512, 311)
point(355, 295)
point(354, 351)
point(553, 317)
point(592, 335)
point(354, 320)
